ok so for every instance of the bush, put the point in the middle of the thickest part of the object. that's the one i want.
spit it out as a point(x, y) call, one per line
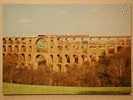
point(109, 71)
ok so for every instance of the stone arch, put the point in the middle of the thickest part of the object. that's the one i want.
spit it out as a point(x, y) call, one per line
point(51, 40)
point(40, 59)
point(58, 38)
point(59, 67)
point(10, 41)
point(4, 56)
point(59, 58)
point(16, 48)
point(23, 48)
point(16, 40)
point(51, 58)
point(119, 48)
point(23, 39)
point(22, 65)
point(4, 40)
point(30, 41)
point(123, 43)
point(66, 47)
point(93, 58)
point(8, 57)
point(22, 57)
point(74, 38)
point(86, 58)
point(29, 57)
point(15, 57)
point(4, 48)
point(30, 49)
point(66, 38)
point(67, 58)
point(83, 58)
point(10, 48)
point(111, 50)
point(75, 59)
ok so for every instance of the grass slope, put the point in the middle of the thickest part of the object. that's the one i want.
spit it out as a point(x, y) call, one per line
point(11, 88)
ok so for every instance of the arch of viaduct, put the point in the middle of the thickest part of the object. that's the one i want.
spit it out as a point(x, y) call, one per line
point(62, 50)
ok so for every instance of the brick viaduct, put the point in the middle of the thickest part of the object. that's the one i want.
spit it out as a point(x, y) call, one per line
point(58, 51)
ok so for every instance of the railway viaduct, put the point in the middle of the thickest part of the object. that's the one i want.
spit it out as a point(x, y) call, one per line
point(58, 51)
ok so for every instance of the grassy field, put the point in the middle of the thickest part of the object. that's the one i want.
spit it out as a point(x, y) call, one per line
point(10, 88)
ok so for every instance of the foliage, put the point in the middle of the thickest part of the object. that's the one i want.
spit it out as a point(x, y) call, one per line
point(109, 71)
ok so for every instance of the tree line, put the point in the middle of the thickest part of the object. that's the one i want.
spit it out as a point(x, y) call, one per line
point(108, 71)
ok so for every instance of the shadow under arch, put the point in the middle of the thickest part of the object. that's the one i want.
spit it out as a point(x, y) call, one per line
point(75, 59)
point(67, 58)
point(40, 59)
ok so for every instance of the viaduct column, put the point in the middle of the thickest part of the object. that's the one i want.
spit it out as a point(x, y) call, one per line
point(116, 48)
point(79, 59)
point(72, 60)
point(106, 49)
point(97, 52)
point(34, 53)
point(64, 62)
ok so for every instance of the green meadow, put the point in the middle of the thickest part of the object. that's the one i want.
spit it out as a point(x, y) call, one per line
point(11, 88)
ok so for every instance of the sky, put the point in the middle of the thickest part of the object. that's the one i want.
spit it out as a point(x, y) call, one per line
point(30, 20)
